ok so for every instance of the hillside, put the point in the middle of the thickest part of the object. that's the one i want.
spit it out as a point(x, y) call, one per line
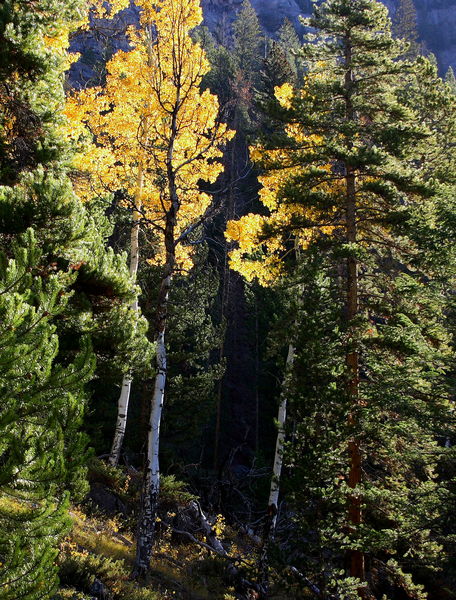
point(437, 20)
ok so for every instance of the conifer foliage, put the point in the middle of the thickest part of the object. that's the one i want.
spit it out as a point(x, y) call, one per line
point(350, 178)
point(247, 40)
point(405, 27)
point(60, 287)
point(42, 406)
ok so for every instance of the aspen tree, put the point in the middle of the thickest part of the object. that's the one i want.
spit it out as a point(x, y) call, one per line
point(151, 119)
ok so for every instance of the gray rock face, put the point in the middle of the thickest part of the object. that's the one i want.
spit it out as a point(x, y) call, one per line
point(437, 20)
point(271, 12)
point(437, 26)
point(98, 43)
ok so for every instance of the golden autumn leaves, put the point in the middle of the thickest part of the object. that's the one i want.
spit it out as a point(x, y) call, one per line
point(151, 117)
point(259, 255)
point(152, 105)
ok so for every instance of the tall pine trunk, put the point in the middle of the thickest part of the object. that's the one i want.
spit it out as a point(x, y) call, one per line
point(124, 398)
point(225, 294)
point(355, 557)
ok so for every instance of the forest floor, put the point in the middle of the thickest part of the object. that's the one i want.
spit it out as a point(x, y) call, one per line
point(96, 561)
point(97, 556)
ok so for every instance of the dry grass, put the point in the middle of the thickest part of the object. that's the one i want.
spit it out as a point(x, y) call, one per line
point(96, 548)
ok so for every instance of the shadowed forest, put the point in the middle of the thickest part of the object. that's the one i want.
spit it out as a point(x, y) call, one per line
point(227, 304)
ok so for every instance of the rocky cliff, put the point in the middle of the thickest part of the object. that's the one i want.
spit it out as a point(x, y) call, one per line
point(437, 25)
point(437, 20)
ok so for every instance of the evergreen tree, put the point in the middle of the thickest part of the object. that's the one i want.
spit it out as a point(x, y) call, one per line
point(450, 79)
point(247, 54)
point(405, 27)
point(426, 93)
point(353, 184)
point(42, 404)
point(288, 40)
point(59, 288)
point(222, 74)
point(247, 41)
point(276, 70)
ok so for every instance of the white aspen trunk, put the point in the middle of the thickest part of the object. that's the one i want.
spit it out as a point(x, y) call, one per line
point(153, 445)
point(278, 457)
point(124, 398)
point(273, 504)
point(151, 486)
point(121, 424)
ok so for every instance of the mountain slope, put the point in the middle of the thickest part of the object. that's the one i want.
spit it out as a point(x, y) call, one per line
point(437, 20)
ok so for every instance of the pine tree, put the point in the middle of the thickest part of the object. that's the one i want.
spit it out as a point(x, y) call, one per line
point(247, 41)
point(405, 27)
point(222, 74)
point(352, 181)
point(426, 93)
point(59, 288)
point(42, 404)
point(450, 79)
point(248, 53)
point(276, 70)
point(288, 40)
point(39, 400)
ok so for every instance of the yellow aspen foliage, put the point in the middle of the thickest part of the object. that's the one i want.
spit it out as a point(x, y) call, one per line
point(104, 10)
point(100, 9)
point(56, 38)
point(264, 241)
point(284, 94)
point(151, 124)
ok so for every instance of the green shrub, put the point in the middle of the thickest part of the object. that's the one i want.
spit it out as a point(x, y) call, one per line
point(173, 491)
point(81, 569)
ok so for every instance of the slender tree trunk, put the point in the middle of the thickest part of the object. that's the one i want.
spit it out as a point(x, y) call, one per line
point(151, 486)
point(257, 378)
point(151, 483)
point(121, 424)
point(124, 398)
point(352, 360)
point(273, 503)
point(225, 293)
point(226, 278)
point(355, 516)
